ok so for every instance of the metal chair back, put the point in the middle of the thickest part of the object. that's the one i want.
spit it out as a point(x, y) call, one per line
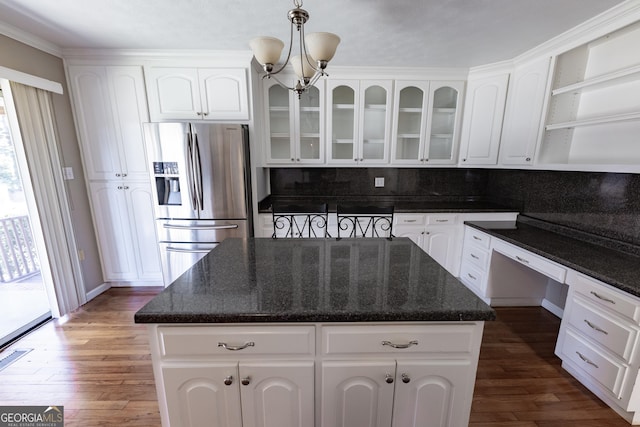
point(365, 221)
point(300, 221)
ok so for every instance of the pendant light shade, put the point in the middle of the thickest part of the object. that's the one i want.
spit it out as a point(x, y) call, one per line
point(302, 67)
point(267, 50)
point(322, 46)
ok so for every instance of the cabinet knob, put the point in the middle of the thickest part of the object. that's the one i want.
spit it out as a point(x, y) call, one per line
point(205, 114)
point(126, 187)
point(426, 160)
point(293, 160)
point(355, 160)
point(124, 174)
point(228, 380)
point(405, 378)
point(464, 160)
point(118, 174)
point(528, 159)
point(297, 160)
point(361, 159)
point(246, 381)
point(119, 187)
point(388, 378)
point(199, 113)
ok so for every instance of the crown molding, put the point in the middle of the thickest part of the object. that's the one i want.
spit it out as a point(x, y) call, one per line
point(228, 57)
point(30, 39)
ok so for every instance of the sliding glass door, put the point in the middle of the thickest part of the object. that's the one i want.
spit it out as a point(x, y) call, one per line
point(23, 298)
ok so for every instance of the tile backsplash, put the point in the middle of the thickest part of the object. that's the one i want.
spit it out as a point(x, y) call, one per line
point(606, 204)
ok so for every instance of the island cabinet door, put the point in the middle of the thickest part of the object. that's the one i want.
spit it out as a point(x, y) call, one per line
point(277, 393)
point(202, 396)
point(357, 393)
point(434, 393)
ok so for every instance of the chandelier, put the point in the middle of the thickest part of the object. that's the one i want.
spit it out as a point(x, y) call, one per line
point(316, 50)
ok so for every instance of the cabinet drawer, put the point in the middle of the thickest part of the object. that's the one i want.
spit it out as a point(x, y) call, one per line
point(618, 336)
point(472, 277)
point(476, 237)
point(605, 296)
point(538, 263)
point(476, 256)
point(181, 341)
point(606, 370)
point(408, 339)
point(442, 219)
point(409, 219)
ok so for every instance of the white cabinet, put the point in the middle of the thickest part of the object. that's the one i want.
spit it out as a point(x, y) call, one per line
point(294, 126)
point(593, 117)
point(359, 121)
point(425, 129)
point(482, 122)
point(180, 93)
point(523, 117)
point(123, 214)
point(110, 107)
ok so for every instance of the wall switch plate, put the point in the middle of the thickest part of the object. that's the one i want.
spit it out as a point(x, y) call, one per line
point(378, 181)
point(67, 173)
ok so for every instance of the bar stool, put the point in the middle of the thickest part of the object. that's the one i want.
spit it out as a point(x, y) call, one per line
point(365, 221)
point(300, 221)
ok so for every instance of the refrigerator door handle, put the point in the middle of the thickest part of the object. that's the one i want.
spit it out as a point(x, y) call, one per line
point(198, 175)
point(200, 227)
point(190, 171)
point(183, 250)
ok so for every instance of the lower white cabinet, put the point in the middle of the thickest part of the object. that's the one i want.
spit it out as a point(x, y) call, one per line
point(123, 212)
point(312, 374)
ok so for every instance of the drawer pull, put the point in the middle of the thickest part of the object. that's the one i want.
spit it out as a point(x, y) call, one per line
point(442, 220)
point(474, 256)
point(405, 378)
point(472, 276)
point(388, 378)
point(228, 380)
point(477, 238)
point(586, 360)
point(595, 294)
point(394, 345)
point(236, 347)
point(595, 328)
point(246, 381)
point(522, 260)
point(409, 220)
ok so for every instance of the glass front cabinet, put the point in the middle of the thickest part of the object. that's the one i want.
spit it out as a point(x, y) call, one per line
point(295, 127)
point(359, 121)
point(426, 124)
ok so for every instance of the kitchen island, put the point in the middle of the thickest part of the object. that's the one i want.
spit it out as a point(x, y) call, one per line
point(315, 332)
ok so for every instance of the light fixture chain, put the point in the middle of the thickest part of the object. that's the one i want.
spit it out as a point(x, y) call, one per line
point(297, 3)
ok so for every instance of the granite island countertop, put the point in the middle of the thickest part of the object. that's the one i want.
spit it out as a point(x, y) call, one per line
point(612, 262)
point(315, 280)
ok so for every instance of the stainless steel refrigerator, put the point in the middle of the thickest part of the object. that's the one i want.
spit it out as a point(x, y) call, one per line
point(200, 176)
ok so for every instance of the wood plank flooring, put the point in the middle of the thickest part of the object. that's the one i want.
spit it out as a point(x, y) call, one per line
point(96, 363)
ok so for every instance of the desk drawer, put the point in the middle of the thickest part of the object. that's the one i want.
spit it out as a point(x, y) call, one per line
point(605, 296)
point(194, 341)
point(471, 235)
point(472, 277)
point(538, 263)
point(476, 256)
point(618, 336)
point(407, 339)
point(606, 370)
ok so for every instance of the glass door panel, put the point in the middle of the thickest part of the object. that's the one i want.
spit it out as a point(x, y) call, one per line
point(343, 123)
point(443, 121)
point(409, 123)
point(279, 123)
point(374, 122)
point(310, 124)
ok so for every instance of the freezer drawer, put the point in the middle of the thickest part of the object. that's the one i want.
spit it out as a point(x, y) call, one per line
point(179, 257)
point(211, 231)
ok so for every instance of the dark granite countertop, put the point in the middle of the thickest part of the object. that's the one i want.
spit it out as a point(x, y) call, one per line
point(402, 204)
point(612, 262)
point(315, 280)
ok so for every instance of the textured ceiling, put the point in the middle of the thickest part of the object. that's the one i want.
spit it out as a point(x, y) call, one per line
point(424, 33)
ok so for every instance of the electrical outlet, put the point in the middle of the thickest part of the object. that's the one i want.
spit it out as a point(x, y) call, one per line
point(378, 181)
point(68, 173)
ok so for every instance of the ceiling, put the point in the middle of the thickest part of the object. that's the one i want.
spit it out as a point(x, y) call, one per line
point(420, 33)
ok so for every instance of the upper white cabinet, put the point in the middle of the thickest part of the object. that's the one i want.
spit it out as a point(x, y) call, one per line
point(593, 118)
point(177, 93)
point(482, 122)
point(359, 121)
point(110, 106)
point(294, 126)
point(425, 129)
point(523, 117)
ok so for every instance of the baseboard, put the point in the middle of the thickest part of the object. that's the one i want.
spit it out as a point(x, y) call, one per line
point(516, 302)
point(551, 307)
point(97, 291)
point(137, 283)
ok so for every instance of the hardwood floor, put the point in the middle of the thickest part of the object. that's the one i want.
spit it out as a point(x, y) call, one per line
point(96, 363)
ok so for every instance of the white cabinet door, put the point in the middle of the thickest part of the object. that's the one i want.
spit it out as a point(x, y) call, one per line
point(482, 122)
point(411, 104)
point(223, 93)
point(434, 393)
point(443, 123)
point(197, 396)
point(374, 121)
point(277, 393)
point(523, 118)
point(441, 242)
point(143, 231)
point(95, 121)
point(342, 121)
point(357, 393)
point(173, 93)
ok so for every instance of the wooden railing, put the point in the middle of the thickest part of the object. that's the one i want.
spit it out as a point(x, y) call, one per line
point(18, 256)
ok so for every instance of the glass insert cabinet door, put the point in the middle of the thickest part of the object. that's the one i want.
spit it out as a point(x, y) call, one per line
point(426, 127)
point(359, 121)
